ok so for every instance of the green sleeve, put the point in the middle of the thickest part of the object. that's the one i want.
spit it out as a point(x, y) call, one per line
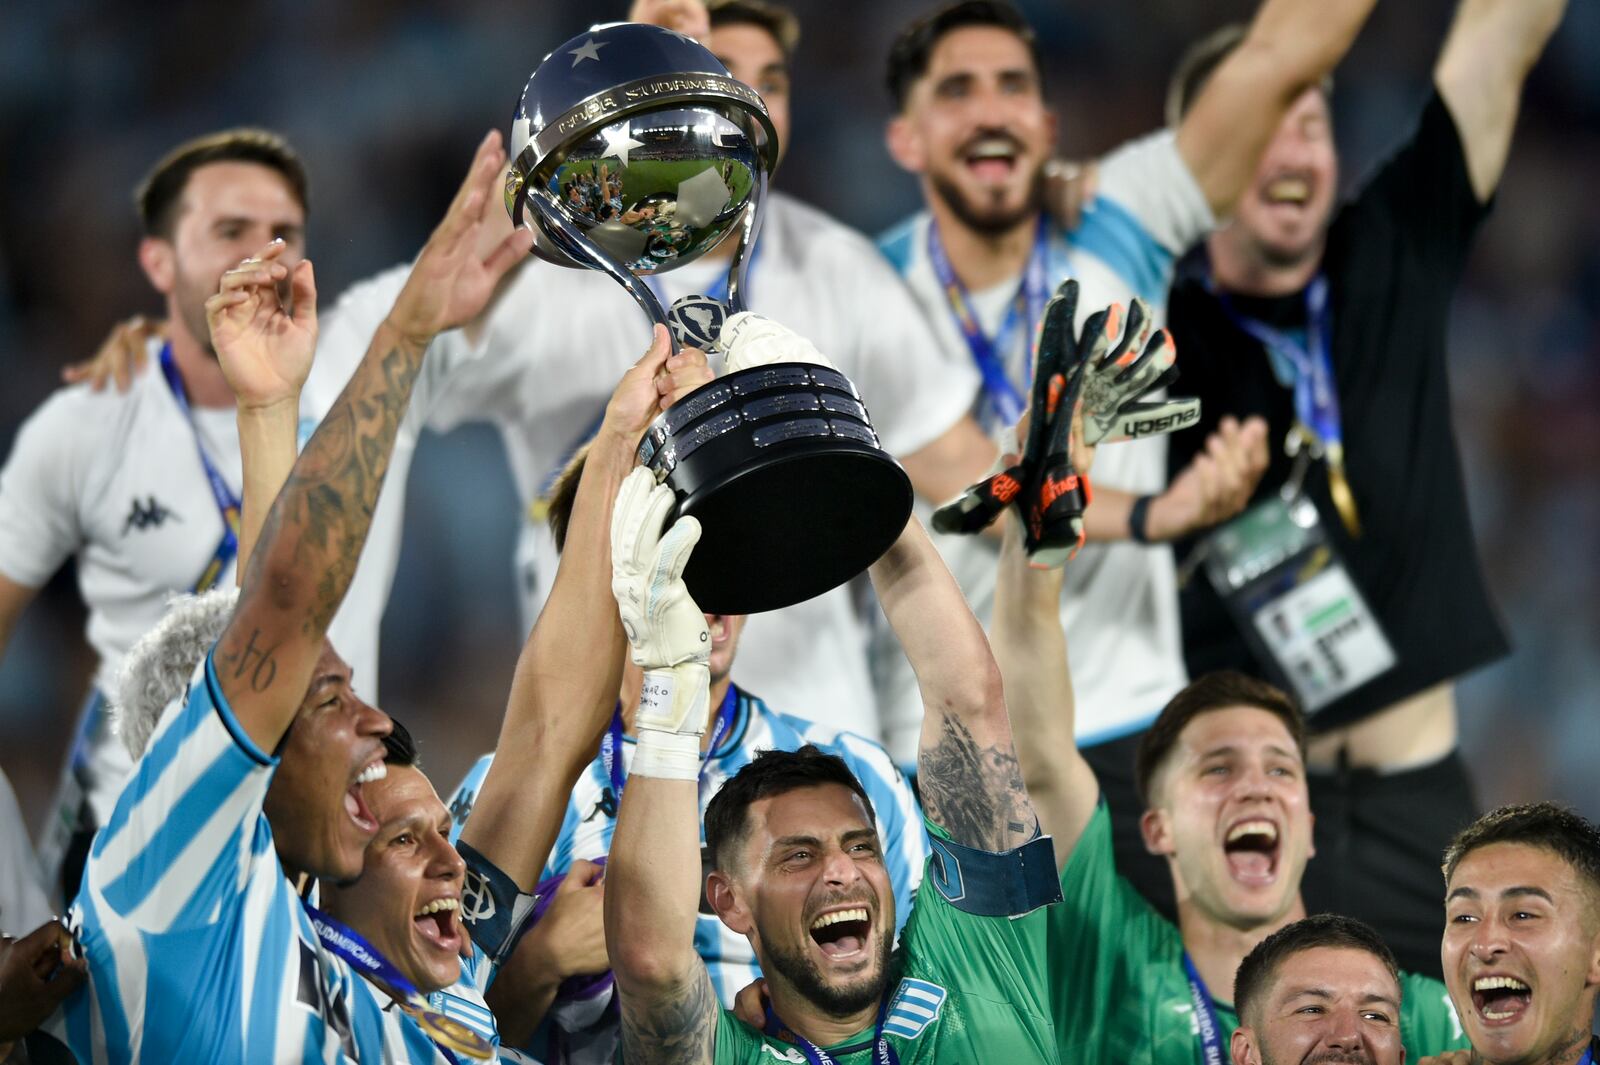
point(1112, 957)
point(1428, 1021)
point(999, 958)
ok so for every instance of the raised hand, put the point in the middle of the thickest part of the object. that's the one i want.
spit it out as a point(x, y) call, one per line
point(264, 348)
point(688, 17)
point(454, 277)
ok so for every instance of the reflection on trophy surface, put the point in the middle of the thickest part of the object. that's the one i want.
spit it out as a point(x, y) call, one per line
point(634, 152)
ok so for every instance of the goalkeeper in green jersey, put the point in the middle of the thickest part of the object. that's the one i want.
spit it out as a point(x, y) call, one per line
point(795, 855)
point(1222, 775)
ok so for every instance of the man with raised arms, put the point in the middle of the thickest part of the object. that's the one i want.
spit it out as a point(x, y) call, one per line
point(193, 868)
point(1222, 774)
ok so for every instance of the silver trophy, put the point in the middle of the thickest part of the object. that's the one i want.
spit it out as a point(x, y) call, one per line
point(634, 152)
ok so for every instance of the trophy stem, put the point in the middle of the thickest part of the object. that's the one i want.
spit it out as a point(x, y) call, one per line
point(574, 242)
point(748, 231)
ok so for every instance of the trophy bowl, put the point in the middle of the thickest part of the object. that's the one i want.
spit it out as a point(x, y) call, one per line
point(634, 152)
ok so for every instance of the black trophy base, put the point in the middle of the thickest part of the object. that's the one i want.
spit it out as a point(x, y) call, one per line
point(784, 472)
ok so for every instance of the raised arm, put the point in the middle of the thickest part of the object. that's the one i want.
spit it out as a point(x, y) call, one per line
point(1491, 47)
point(967, 767)
point(669, 1010)
point(1291, 45)
point(318, 524)
point(569, 672)
point(1031, 647)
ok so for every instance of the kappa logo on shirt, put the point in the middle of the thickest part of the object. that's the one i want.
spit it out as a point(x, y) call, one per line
point(149, 514)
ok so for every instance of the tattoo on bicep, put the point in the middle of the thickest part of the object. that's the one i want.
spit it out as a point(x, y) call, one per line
point(975, 793)
point(676, 1029)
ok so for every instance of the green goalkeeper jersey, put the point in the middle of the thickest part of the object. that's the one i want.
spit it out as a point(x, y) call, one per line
point(963, 989)
point(1118, 991)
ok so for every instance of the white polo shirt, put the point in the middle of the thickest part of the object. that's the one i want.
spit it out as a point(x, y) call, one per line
point(1119, 604)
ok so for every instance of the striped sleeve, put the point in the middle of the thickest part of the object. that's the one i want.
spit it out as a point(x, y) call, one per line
point(466, 794)
point(188, 828)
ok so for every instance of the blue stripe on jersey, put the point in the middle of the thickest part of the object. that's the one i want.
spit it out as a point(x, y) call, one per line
point(180, 826)
point(266, 983)
point(897, 244)
point(1111, 233)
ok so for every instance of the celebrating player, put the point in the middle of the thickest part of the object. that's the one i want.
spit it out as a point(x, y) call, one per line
point(1223, 778)
point(198, 947)
point(1521, 947)
point(1290, 314)
point(738, 725)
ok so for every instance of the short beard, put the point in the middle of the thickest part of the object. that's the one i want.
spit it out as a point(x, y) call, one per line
point(990, 223)
point(803, 975)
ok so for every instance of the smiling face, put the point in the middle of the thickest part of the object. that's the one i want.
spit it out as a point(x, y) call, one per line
point(320, 819)
point(976, 128)
point(1324, 1005)
point(1521, 952)
point(752, 56)
point(407, 901)
point(811, 893)
point(1233, 816)
point(1284, 212)
point(227, 212)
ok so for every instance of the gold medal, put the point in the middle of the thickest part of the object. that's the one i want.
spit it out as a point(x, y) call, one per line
point(449, 1032)
point(1339, 489)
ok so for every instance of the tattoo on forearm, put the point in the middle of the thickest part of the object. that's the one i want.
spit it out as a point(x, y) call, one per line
point(975, 793)
point(677, 1029)
point(318, 524)
point(255, 665)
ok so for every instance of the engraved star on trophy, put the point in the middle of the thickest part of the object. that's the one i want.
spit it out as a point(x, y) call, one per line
point(634, 152)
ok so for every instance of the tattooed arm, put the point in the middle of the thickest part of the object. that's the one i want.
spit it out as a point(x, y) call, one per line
point(967, 763)
point(314, 532)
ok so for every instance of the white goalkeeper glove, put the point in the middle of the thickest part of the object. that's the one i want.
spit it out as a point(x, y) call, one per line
point(750, 340)
point(666, 631)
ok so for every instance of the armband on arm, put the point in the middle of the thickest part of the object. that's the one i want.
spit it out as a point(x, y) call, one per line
point(494, 910)
point(989, 884)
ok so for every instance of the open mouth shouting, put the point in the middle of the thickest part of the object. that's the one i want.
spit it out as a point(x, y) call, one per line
point(993, 157)
point(355, 805)
point(1288, 190)
point(1499, 999)
point(1251, 849)
point(438, 925)
point(843, 934)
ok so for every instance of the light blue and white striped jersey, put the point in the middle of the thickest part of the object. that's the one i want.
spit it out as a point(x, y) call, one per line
point(1127, 658)
point(591, 818)
point(198, 947)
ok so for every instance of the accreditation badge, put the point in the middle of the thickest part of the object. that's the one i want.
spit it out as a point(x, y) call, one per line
point(1293, 600)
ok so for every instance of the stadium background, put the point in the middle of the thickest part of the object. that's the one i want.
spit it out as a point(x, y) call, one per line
point(385, 99)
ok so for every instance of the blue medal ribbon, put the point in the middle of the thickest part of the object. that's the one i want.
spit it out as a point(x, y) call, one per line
point(1205, 1012)
point(228, 505)
point(611, 742)
point(1002, 398)
point(344, 941)
point(1316, 400)
point(882, 1052)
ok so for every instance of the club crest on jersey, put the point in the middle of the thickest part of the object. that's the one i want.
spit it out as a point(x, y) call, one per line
point(915, 1005)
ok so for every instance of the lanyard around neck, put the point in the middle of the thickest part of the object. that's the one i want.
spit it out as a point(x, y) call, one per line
point(1002, 398)
point(882, 1052)
point(228, 505)
point(446, 1033)
point(1205, 1013)
point(611, 742)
